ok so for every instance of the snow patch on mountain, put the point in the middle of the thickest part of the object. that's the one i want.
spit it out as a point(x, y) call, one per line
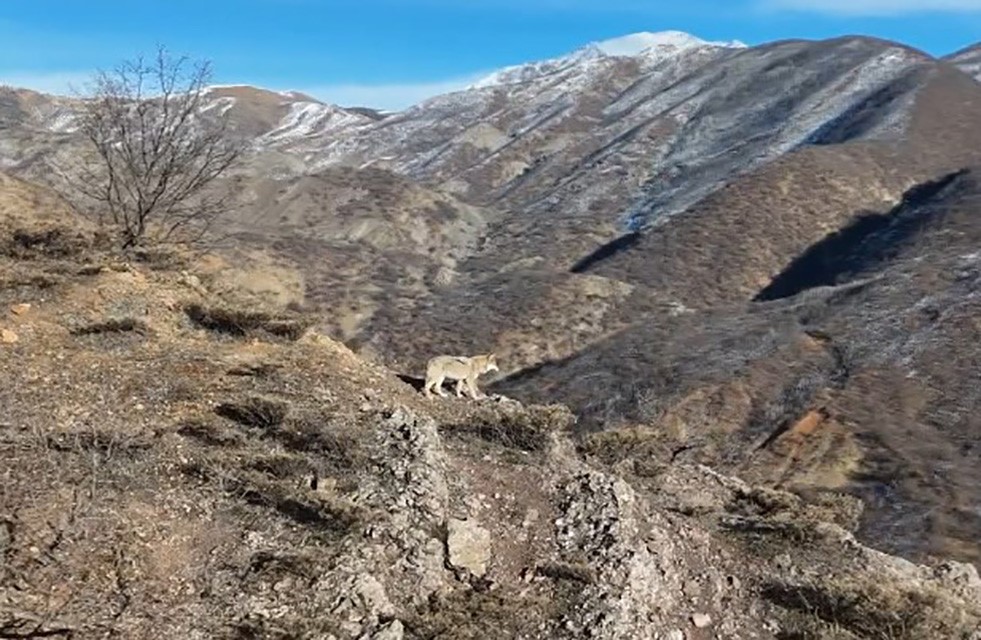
point(636, 43)
point(646, 45)
point(306, 119)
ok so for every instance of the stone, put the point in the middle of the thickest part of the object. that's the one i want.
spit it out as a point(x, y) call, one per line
point(468, 545)
point(8, 337)
point(20, 309)
point(958, 573)
point(701, 620)
point(691, 588)
point(392, 631)
point(675, 634)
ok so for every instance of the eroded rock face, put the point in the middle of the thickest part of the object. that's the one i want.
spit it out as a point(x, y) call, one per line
point(599, 527)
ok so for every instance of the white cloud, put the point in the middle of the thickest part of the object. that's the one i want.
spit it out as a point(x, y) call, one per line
point(57, 82)
point(876, 7)
point(393, 96)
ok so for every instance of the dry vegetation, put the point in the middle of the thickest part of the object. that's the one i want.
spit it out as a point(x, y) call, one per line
point(205, 474)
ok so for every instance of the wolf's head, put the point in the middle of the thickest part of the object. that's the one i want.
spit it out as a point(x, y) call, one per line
point(489, 363)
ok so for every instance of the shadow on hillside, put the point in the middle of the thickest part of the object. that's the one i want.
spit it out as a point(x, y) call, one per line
point(606, 251)
point(869, 241)
point(415, 382)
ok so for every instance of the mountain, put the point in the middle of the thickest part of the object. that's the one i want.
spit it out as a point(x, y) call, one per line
point(746, 387)
point(853, 367)
point(713, 253)
point(750, 216)
point(968, 60)
point(184, 458)
point(604, 143)
point(648, 46)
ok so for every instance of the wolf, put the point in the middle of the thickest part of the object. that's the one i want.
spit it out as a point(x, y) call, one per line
point(460, 368)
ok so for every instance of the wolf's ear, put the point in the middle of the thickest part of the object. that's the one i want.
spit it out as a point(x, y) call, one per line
point(492, 357)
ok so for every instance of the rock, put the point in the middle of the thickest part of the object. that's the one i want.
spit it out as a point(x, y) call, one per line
point(8, 337)
point(193, 282)
point(961, 577)
point(392, 631)
point(701, 620)
point(469, 546)
point(20, 309)
point(691, 588)
point(675, 634)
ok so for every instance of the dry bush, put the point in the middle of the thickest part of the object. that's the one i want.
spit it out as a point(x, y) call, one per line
point(615, 445)
point(254, 412)
point(114, 325)
point(210, 434)
point(478, 614)
point(873, 609)
point(238, 476)
point(56, 242)
point(281, 466)
point(527, 429)
point(241, 322)
point(573, 572)
point(337, 449)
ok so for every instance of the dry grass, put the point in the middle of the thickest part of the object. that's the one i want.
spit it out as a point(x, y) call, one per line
point(475, 615)
point(242, 322)
point(871, 610)
point(114, 325)
point(525, 430)
point(254, 412)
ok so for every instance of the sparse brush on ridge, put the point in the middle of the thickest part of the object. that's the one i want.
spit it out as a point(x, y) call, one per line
point(158, 151)
point(241, 322)
point(254, 412)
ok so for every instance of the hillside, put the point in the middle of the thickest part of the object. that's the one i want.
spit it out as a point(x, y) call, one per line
point(968, 60)
point(661, 233)
point(855, 369)
point(656, 330)
point(721, 250)
point(187, 459)
point(362, 238)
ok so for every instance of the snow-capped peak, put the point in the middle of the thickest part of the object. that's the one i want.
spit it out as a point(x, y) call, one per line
point(635, 43)
point(645, 43)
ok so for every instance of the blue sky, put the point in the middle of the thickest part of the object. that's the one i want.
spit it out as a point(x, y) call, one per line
point(391, 53)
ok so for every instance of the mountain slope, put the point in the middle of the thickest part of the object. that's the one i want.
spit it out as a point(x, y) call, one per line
point(363, 238)
point(607, 141)
point(656, 329)
point(860, 374)
point(182, 460)
point(729, 245)
point(606, 221)
point(968, 60)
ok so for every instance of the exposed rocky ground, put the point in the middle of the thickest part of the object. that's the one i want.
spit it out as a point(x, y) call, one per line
point(184, 458)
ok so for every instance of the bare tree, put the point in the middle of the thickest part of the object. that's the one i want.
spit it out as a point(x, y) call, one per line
point(159, 149)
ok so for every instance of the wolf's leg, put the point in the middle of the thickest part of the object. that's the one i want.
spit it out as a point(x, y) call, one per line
point(459, 387)
point(472, 385)
point(438, 385)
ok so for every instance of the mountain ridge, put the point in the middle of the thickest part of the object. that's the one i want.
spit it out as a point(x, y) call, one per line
point(625, 211)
